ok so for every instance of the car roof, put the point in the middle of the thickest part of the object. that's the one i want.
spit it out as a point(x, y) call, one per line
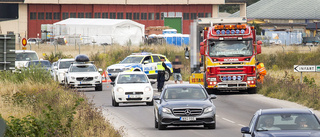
point(284, 111)
point(133, 72)
point(142, 55)
point(66, 59)
point(27, 51)
point(184, 86)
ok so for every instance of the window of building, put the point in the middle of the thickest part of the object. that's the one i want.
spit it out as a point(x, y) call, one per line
point(157, 16)
point(80, 15)
point(193, 16)
point(163, 15)
point(73, 15)
point(65, 15)
point(40, 15)
point(151, 16)
point(112, 15)
point(143, 16)
point(200, 15)
point(33, 16)
point(56, 16)
point(119, 15)
point(208, 15)
point(129, 16)
point(48, 16)
point(105, 15)
point(97, 15)
point(185, 16)
point(136, 16)
point(88, 15)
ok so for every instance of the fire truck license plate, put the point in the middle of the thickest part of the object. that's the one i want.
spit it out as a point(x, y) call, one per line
point(188, 118)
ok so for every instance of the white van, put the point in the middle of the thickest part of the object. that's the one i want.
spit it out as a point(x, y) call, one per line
point(23, 56)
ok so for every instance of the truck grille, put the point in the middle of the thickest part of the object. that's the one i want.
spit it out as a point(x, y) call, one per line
point(84, 78)
point(114, 70)
point(187, 111)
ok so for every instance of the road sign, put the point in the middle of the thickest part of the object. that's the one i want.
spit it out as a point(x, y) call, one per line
point(24, 41)
point(305, 68)
point(24, 48)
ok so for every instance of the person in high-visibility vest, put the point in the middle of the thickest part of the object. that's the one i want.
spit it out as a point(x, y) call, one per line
point(261, 71)
point(161, 68)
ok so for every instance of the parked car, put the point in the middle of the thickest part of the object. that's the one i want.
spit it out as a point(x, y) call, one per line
point(282, 122)
point(33, 40)
point(184, 104)
point(52, 72)
point(132, 87)
point(61, 68)
point(83, 74)
point(44, 64)
point(24, 56)
point(145, 62)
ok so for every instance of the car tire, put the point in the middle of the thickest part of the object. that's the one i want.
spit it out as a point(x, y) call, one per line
point(150, 103)
point(252, 90)
point(167, 75)
point(98, 87)
point(155, 123)
point(114, 102)
point(212, 126)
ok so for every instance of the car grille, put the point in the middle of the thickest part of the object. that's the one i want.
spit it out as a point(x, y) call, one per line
point(133, 93)
point(187, 111)
point(84, 78)
point(114, 70)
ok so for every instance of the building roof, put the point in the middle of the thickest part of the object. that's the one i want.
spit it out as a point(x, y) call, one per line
point(283, 9)
point(87, 21)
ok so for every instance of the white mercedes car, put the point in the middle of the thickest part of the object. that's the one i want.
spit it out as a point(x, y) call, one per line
point(132, 87)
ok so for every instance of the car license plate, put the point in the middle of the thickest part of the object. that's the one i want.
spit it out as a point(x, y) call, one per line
point(81, 82)
point(134, 96)
point(188, 118)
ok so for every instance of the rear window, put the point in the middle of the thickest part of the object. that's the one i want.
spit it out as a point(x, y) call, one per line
point(26, 56)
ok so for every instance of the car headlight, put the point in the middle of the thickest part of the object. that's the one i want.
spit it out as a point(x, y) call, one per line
point(212, 79)
point(166, 110)
point(147, 89)
point(208, 109)
point(96, 77)
point(250, 78)
point(120, 89)
point(72, 77)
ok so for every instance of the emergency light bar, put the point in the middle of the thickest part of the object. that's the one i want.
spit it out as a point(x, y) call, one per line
point(142, 53)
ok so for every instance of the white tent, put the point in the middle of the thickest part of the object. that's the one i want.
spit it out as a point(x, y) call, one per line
point(100, 31)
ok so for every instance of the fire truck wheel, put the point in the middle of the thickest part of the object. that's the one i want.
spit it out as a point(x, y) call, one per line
point(252, 90)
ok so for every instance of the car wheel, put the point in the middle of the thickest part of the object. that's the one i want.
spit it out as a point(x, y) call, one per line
point(155, 123)
point(114, 103)
point(98, 87)
point(212, 126)
point(167, 75)
point(252, 90)
point(150, 103)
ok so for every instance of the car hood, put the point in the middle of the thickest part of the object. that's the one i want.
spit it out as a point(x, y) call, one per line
point(187, 103)
point(292, 133)
point(133, 86)
point(120, 66)
point(84, 74)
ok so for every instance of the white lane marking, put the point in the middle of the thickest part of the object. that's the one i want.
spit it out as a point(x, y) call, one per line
point(229, 120)
point(241, 125)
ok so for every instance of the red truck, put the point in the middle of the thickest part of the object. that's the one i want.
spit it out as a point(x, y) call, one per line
point(225, 58)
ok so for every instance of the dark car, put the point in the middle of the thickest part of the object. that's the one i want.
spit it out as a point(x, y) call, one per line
point(283, 122)
point(184, 104)
point(43, 64)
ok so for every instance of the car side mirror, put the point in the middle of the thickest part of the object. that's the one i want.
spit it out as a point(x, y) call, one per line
point(100, 70)
point(153, 82)
point(156, 98)
point(212, 96)
point(112, 83)
point(55, 67)
point(145, 62)
point(245, 130)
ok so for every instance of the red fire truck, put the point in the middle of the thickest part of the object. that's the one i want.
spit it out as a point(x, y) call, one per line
point(225, 58)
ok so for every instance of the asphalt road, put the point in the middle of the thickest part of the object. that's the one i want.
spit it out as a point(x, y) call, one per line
point(234, 110)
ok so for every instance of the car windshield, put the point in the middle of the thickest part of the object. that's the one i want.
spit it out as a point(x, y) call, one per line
point(287, 122)
point(132, 78)
point(42, 63)
point(230, 48)
point(184, 93)
point(132, 59)
point(65, 64)
point(26, 56)
point(84, 68)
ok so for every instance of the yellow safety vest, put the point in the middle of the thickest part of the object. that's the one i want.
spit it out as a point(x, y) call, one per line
point(160, 67)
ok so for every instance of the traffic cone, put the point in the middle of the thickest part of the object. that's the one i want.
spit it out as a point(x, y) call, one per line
point(107, 77)
point(104, 79)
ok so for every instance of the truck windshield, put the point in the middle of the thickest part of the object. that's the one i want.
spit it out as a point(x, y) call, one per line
point(230, 48)
point(132, 59)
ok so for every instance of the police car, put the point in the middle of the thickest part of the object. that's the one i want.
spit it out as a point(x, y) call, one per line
point(145, 62)
point(83, 74)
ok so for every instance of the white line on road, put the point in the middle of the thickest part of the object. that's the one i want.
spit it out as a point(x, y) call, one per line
point(241, 125)
point(229, 120)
